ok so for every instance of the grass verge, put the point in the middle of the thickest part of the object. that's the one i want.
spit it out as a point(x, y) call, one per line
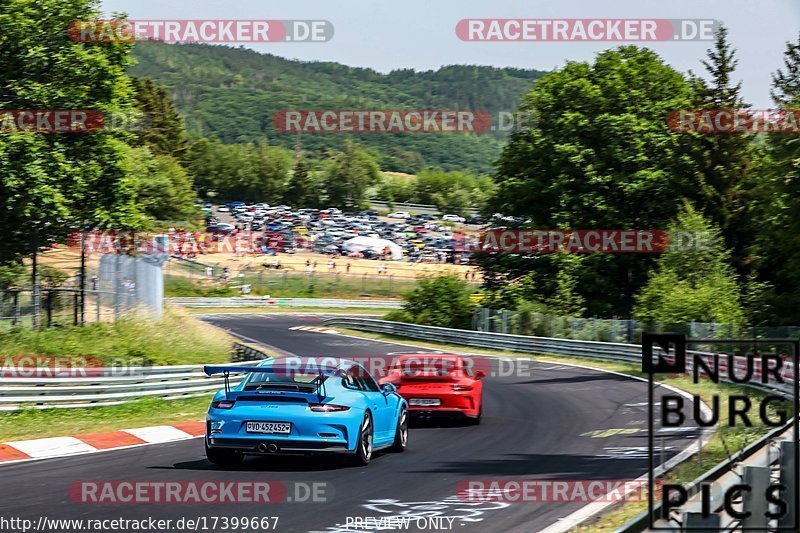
point(291, 285)
point(175, 339)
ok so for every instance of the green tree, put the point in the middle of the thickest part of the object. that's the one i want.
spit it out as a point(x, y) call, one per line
point(50, 183)
point(301, 191)
point(779, 219)
point(164, 188)
point(567, 299)
point(160, 126)
point(687, 285)
point(595, 152)
point(442, 301)
point(726, 163)
point(245, 172)
point(346, 176)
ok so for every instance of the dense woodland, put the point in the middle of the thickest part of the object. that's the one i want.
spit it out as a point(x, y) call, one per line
point(231, 94)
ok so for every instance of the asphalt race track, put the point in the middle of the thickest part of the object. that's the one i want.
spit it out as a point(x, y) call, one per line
point(534, 427)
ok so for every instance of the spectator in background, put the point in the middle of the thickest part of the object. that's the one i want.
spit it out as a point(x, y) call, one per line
point(348, 267)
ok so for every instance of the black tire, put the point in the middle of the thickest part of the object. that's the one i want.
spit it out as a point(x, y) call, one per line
point(477, 420)
point(224, 457)
point(401, 434)
point(365, 442)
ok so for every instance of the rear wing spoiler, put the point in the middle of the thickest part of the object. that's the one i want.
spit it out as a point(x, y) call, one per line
point(226, 371)
point(212, 370)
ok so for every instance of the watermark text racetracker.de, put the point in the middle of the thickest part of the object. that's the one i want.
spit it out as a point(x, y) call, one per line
point(50, 121)
point(397, 121)
point(50, 366)
point(201, 31)
point(205, 492)
point(552, 491)
point(714, 121)
point(412, 364)
point(521, 241)
point(602, 30)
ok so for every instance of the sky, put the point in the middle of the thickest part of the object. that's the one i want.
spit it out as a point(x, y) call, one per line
point(420, 34)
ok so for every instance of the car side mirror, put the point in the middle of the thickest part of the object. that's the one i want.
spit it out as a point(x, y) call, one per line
point(388, 388)
point(480, 374)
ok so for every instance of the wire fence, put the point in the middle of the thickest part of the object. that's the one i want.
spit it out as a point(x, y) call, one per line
point(192, 278)
point(119, 285)
point(611, 330)
point(58, 307)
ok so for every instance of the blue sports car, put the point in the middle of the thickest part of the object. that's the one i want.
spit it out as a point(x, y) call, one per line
point(295, 405)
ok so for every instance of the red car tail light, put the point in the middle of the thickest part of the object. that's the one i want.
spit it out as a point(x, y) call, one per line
point(458, 387)
point(222, 404)
point(327, 408)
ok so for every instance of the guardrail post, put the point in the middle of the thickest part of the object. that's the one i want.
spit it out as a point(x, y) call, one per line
point(695, 521)
point(17, 310)
point(753, 501)
point(49, 308)
point(75, 306)
point(788, 480)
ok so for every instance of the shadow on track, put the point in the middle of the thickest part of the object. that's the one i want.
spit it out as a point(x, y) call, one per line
point(554, 466)
point(576, 379)
point(275, 463)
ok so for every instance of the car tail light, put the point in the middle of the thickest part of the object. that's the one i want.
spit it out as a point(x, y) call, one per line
point(462, 387)
point(327, 408)
point(222, 404)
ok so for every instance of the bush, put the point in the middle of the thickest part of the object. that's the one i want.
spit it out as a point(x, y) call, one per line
point(399, 315)
point(442, 301)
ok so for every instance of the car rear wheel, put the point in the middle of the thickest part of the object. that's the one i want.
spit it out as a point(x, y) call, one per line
point(224, 457)
point(401, 435)
point(365, 440)
point(477, 420)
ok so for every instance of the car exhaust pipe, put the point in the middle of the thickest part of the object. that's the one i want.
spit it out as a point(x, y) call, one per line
point(262, 448)
point(272, 448)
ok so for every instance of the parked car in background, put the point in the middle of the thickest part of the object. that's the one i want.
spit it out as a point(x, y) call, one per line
point(453, 218)
point(221, 228)
point(400, 214)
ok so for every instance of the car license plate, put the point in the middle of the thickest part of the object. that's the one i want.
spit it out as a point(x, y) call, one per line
point(424, 402)
point(269, 427)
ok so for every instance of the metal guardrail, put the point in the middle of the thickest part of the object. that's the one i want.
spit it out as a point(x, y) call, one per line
point(121, 386)
point(613, 351)
point(242, 301)
point(756, 468)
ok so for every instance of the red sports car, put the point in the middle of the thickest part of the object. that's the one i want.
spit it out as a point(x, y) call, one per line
point(438, 385)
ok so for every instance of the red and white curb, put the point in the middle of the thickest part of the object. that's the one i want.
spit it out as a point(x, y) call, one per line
point(317, 329)
point(26, 450)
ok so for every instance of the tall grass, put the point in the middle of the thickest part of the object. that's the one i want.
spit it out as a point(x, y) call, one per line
point(174, 339)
